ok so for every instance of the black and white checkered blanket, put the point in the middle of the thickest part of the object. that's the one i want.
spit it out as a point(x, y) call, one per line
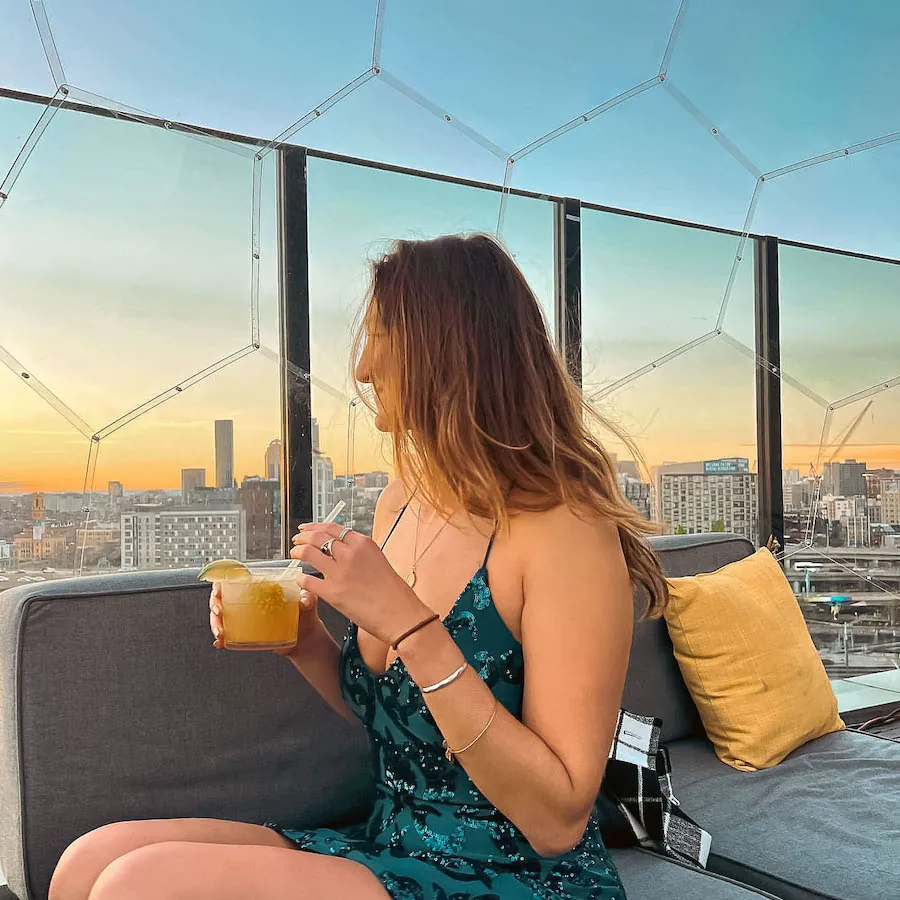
point(638, 781)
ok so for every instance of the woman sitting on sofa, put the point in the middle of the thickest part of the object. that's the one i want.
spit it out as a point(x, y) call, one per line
point(490, 698)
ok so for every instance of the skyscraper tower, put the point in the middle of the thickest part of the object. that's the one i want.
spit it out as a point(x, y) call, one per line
point(273, 460)
point(224, 453)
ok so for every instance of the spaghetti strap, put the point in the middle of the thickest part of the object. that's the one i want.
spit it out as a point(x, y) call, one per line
point(399, 517)
point(490, 544)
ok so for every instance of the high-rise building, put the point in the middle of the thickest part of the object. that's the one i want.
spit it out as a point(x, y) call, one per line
point(790, 477)
point(852, 479)
point(38, 514)
point(637, 493)
point(880, 480)
point(629, 468)
point(116, 490)
point(224, 453)
point(154, 537)
point(844, 479)
point(799, 497)
point(261, 498)
point(273, 460)
point(371, 479)
point(890, 507)
point(715, 495)
point(315, 435)
point(323, 486)
point(191, 479)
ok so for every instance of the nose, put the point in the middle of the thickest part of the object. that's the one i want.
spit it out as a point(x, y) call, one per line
point(363, 367)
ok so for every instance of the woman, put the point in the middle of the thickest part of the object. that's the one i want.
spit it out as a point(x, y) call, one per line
point(490, 698)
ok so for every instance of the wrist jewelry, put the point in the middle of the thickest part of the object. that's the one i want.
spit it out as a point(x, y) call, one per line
point(445, 681)
point(414, 629)
point(452, 754)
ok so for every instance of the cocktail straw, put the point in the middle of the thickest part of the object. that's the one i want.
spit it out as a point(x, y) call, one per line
point(338, 509)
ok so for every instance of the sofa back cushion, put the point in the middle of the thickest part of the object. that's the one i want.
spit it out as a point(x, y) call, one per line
point(654, 686)
point(126, 711)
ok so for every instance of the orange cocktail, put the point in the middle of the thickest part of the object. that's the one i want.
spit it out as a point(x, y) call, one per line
point(261, 612)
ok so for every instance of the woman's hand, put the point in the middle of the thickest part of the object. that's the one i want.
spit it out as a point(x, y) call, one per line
point(308, 622)
point(358, 581)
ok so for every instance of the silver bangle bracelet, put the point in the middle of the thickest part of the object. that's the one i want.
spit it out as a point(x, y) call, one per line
point(445, 681)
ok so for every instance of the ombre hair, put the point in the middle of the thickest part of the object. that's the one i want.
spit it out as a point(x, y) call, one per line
point(481, 409)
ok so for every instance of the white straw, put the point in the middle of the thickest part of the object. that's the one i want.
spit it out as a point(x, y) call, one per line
point(338, 509)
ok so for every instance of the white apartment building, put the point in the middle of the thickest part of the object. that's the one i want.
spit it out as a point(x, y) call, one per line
point(178, 538)
point(699, 502)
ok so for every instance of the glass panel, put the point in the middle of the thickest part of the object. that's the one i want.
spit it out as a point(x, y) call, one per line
point(452, 51)
point(652, 293)
point(354, 213)
point(850, 202)
point(23, 65)
point(203, 490)
point(125, 255)
point(842, 456)
point(771, 82)
point(228, 65)
point(646, 154)
point(831, 307)
point(378, 122)
point(693, 422)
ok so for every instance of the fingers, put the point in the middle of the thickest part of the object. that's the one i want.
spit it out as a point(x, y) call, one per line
point(327, 530)
point(216, 625)
point(311, 554)
point(307, 599)
point(312, 587)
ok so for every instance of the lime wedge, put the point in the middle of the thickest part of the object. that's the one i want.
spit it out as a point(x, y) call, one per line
point(224, 570)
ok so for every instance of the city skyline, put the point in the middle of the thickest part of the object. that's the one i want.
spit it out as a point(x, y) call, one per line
point(648, 288)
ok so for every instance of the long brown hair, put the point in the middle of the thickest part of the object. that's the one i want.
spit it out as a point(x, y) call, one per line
point(479, 400)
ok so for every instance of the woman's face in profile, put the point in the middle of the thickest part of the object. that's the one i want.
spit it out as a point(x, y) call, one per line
point(370, 365)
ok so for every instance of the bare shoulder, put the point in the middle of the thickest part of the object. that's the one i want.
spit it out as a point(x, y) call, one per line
point(535, 535)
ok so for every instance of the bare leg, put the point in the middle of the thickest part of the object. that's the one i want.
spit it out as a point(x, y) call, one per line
point(85, 858)
point(177, 870)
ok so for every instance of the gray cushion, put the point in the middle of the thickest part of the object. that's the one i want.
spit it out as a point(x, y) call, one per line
point(825, 822)
point(654, 686)
point(122, 709)
point(648, 876)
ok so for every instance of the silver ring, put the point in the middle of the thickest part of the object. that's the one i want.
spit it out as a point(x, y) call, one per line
point(326, 547)
point(344, 532)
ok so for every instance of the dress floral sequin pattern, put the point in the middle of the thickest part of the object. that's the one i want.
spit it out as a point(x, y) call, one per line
point(432, 834)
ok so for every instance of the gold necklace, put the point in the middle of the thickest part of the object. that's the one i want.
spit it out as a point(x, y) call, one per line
point(411, 576)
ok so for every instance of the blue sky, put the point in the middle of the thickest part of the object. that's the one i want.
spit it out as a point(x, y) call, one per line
point(135, 241)
point(783, 81)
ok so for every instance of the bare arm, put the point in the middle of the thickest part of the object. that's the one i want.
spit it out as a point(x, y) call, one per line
point(576, 633)
point(317, 656)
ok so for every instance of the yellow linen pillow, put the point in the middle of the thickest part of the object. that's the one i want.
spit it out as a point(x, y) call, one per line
point(748, 660)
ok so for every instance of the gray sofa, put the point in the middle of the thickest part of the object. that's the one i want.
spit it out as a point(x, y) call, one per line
point(116, 706)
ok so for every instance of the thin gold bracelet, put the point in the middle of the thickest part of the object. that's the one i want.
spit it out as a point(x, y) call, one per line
point(452, 754)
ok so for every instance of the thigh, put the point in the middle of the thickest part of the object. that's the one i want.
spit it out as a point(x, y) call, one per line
point(178, 870)
point(85, 858)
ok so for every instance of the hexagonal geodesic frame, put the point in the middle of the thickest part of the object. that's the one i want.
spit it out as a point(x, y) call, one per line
point(721, 333)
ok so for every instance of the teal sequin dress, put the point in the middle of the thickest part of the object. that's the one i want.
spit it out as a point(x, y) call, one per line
point(432, 834)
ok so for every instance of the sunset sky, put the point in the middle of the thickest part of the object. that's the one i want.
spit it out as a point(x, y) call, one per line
point(125, 253)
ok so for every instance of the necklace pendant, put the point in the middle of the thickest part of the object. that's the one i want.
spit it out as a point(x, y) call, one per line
point(411, 578)
point(448, 753)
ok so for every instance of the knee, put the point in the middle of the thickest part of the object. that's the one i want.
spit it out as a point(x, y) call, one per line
point(82, 861)
point(134, 875)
